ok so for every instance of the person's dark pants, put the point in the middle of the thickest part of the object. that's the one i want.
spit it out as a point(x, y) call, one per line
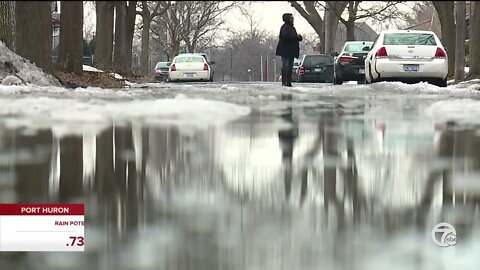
point(287, 67)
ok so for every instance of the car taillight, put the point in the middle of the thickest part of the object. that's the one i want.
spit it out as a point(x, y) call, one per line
point(440, 53)
point(346, 59)
point(205, 66)
point(302, 69)
point(173, 68)
point(381, 53)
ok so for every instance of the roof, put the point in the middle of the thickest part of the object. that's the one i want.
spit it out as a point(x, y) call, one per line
point(408, 31)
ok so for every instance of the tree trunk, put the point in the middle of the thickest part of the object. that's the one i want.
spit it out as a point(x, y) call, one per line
point(120, 49)
point(350, 25)
point(145, 55)
point(7, 22)
point(104, 35)
point(34, 27)
point(474, 45)
point(71, 37)
point(331, 23)
point(130, 29)
point(447, 24)
point(460, 42)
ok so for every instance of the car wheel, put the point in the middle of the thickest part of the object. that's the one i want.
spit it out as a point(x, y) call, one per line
point(337, 80)
point(441, 82)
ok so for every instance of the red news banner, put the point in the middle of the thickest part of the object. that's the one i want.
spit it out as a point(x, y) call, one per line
point(42, 227)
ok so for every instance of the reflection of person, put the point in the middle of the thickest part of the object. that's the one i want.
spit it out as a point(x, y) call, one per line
point(288, 48)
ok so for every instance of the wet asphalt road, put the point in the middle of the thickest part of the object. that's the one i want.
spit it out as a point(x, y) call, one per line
point(249, 175)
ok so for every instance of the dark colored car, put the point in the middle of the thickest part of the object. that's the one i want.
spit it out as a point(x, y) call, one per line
point(315, 68)
point(350, 63)
point(160, 72)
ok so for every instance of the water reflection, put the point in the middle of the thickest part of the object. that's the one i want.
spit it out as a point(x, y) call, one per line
point(255, 193)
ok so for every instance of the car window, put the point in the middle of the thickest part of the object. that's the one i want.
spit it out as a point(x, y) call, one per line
point(162, 65)
point(190, 59)
point(313, 60)
point(409, 39)
point(356, 47)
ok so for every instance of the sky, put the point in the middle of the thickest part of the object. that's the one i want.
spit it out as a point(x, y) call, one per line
point(267, 13)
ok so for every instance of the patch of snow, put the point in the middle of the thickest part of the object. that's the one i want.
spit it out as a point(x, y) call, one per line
point(90, 68)
point(117, 76)
point(74, 117)
point(11, 80)
point(24, 69)
point(461, 110)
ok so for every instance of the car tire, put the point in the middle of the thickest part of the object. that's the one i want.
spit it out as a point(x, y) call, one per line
point(441, 82)
point(337, 80)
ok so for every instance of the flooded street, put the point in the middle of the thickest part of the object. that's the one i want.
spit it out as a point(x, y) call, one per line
point(221, 176)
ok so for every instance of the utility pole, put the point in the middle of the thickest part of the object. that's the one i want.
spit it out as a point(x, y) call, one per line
point(274, 69)
point(460, 15)
point(261, 67)
point(231, 65)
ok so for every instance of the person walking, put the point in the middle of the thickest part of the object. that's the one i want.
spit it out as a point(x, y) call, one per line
point(288, 48)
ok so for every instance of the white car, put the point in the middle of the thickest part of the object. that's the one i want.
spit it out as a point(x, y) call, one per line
point(189, 67)
point(407, 55)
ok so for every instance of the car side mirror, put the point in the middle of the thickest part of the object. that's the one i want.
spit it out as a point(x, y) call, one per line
point(366, 48)
point(335, 53)
point(212, 62)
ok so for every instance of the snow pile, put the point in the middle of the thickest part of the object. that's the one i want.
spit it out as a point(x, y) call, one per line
point(92, 69)
point(461, 110)
point(14, 65)
point(72, 116)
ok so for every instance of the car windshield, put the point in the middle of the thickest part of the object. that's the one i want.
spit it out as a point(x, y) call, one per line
point(357, 47)
point(313, 60)
point(189, 59)
point(162, 65)
point(409, 39)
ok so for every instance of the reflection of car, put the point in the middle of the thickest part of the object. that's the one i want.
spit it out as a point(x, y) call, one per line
point(350, 62)
point(407, 55)
point(189, 67)
point(315, 68)
point(160, 72)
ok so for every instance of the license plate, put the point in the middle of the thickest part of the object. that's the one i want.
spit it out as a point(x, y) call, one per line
point(318, 69)
point(361, 71)
point(410, 68)
point(189, 75)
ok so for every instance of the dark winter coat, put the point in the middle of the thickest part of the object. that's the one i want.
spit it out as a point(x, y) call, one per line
point(288, 43)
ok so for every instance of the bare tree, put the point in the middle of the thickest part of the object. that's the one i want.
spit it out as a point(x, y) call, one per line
point(104, 34)
point(474, 37)
point(311, 14)
point(129, 30)
point(166, 31)
point(148, 14)
point(447, 23)
point(7, 22)
point(460, 41)
point(201, 19)
point(71, 37)
point(120, 48)
point(331, 22)
point(380, 11)
point(34, 26)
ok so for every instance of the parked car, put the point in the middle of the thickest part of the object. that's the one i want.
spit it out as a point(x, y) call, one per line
point(350, 62)
point(160, 72)
point(407, 55)
point(209, 62)
point(315, 68)
point(296, 64)
point(189, 67)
